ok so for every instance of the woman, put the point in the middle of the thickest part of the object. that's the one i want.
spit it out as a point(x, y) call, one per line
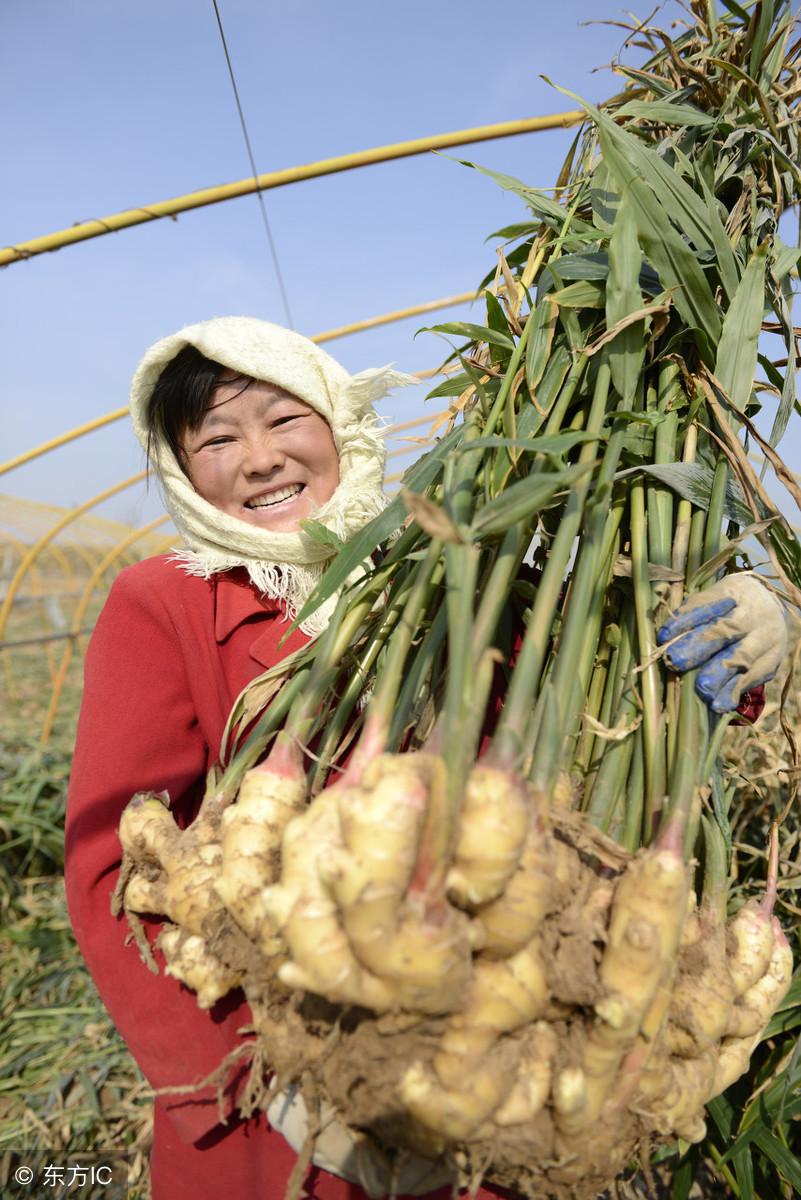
point(251, 430)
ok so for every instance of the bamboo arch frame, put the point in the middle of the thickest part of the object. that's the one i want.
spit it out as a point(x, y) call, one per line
point(83, 230)
point(327, 335)
point(46, 538)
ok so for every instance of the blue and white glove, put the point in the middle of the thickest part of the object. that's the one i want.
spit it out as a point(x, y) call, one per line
point(735, 631)
point(351, 1155)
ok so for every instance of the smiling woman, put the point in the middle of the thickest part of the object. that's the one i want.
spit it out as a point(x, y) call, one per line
point(251, 429)
point(261, 454)
point(234, 408)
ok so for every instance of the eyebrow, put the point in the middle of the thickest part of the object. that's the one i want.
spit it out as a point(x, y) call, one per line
point(212, 417)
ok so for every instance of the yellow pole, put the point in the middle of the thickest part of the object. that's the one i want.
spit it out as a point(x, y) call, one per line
point(80, 609)
point(398, 315)
point(10, 683)
point(242, 187)
point(36, 549)
point(62, 439)
point(327, 336)
point(428, 419)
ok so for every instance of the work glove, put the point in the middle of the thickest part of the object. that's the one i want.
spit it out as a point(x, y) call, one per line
point(351, 1155)
point(735, 631)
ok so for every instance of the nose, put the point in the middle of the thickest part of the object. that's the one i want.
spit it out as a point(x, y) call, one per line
point(263, 454)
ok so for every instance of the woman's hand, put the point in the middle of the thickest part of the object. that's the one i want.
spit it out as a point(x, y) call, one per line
point(351, 1155)
point(735, 631)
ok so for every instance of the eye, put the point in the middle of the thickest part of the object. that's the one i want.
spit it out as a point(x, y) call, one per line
point(217, 441)
point(285, 420)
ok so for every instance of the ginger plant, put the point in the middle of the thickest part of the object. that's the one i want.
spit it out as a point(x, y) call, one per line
point(507, 874)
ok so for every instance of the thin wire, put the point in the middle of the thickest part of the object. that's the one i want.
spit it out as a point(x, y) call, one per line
point(259, 194)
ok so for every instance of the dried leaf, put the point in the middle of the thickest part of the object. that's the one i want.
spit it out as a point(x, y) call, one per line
point(432, 517)
point(618, 733)
point(656, 573)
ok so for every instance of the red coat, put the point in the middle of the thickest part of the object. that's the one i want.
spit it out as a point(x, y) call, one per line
point(168, 657)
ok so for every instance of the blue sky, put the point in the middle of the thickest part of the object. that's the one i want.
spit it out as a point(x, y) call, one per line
point(109, 106)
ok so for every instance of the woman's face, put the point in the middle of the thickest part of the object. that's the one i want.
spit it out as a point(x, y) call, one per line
point(262, 455)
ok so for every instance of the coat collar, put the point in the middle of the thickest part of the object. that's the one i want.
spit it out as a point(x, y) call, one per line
point(236, 601)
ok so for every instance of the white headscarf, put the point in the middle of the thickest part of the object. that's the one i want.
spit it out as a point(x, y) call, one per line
point(286, 566)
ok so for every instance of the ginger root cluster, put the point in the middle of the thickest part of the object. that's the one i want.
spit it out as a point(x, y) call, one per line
point(533, 1004)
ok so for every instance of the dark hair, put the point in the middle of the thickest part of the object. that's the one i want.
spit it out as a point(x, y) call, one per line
point(181, 398)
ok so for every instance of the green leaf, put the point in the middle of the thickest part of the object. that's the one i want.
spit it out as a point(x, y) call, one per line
point(782, 1158)
point(541, 204)
point(652, 82)
point(737, 9)
point(788, 392)
point(521, 500)
point(651, 419)
point(533, 415)
point(555, 443)
point(623, 296)
point(693, 482)
point(674, 261)
point(584, 293)
point(454, 385)
point(773, 62)
point(681, 204)
point(722, 1113)
point(743, 1165)
point(520, 229)
point(593, 265)
point(322, 534)
point(783, 1022)
point(568, 318)
point(667, 113)
point(764, 22)
point(787, 549)
point(360, 547)
point(540, 340)
point(473, 333)
point(726, 259)
point(683, 1177)
point(736, 359)
point(605, 199)
point(496, 317)
point(785, 259)
point(496, 320)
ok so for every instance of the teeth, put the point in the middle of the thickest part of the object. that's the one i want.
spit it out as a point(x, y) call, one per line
point(275, 497)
